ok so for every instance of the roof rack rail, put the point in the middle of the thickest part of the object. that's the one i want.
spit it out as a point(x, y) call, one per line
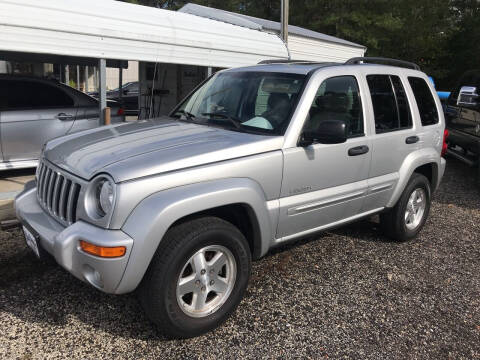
point(286, 61)
point(373, 60)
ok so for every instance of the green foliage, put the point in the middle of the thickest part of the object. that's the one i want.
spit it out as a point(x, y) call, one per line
point(442, 36)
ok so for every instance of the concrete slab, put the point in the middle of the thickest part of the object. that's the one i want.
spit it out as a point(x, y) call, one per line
point(11, 183)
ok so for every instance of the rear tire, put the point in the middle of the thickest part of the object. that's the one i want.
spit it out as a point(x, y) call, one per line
point(405, 220)
point(197, 277)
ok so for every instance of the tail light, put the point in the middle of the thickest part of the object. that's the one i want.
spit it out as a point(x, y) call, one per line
point(121, 111)
point(444, 145)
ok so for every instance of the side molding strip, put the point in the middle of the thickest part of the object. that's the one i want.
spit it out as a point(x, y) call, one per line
point(320, 204)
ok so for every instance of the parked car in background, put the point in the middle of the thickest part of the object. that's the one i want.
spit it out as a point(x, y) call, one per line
point(129, 96)
point(462, 116)
point(35, 110)
point(253, 158)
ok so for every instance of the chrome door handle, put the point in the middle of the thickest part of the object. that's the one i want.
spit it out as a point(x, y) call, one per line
point(358, 150)
point(63, 116)
point(412, 139)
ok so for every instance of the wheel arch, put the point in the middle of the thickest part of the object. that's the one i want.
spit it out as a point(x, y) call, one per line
point(423, 161)
point(241, 215)
point(239, 201)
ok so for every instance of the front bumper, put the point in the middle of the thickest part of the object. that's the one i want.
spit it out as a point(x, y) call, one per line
point(63, 243)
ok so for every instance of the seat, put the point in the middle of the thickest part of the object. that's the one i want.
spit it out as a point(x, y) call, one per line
point(278, 109)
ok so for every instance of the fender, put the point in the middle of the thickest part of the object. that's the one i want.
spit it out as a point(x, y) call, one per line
point(413, 161)
point(154, 215)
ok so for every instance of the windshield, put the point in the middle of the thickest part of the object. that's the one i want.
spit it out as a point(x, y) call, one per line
point(245, 101)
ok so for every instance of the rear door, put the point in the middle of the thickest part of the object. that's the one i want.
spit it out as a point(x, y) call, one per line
point(35, 113)
point(394, 135)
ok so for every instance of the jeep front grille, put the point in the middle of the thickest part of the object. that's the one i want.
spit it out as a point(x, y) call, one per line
point(57, 193)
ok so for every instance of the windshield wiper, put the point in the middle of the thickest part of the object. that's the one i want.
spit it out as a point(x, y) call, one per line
point(233, 120)
point(187, 114)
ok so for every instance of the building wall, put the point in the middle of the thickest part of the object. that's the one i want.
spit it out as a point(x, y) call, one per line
point(3, 67)
point(303, 48)
point(129, 74)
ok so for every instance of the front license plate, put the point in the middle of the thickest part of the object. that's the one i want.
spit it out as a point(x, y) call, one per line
point(31, 241)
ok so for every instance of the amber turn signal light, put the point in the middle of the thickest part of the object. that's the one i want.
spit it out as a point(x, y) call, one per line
point(103, 251)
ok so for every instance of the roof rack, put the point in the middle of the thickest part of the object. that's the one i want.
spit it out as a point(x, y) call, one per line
point(376, 60)
point(286, 61)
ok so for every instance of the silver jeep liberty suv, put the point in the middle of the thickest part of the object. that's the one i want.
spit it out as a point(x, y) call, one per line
point(177, 207)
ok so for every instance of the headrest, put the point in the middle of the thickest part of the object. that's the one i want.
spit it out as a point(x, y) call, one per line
point(333, 102)
point(276, 99)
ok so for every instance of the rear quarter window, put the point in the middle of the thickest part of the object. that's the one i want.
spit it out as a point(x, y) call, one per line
point(425, 101)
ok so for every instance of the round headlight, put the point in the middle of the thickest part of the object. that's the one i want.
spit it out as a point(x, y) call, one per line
point(100, 197)
point(105, 197)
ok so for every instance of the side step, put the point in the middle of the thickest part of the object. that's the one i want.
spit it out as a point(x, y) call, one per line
point(462, 157)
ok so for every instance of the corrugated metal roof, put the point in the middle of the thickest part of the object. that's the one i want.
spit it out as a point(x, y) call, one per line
point(117, 30)
point(258, 23)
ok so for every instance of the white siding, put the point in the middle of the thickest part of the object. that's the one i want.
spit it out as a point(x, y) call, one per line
point(303, 48)
point(116, 30)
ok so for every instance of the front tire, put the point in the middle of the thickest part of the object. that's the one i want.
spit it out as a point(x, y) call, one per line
point(197, 277)
point(405, 220)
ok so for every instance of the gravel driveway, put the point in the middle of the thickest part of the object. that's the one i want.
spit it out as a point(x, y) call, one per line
point(347, 293)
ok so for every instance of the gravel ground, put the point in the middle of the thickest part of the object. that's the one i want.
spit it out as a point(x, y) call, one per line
point(347, 293)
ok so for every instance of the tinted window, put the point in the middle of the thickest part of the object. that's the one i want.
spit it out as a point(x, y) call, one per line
point(403, 108)
point(337, 98)
point(3, 95)
point(31, 94)
point(390, 104)
point(425, 101)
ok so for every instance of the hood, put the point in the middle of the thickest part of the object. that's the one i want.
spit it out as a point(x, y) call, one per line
point(143, 148)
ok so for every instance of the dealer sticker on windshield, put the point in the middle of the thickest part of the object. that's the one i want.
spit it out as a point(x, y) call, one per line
point(31, 241)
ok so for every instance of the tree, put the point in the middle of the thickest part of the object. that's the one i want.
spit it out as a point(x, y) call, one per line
point(463, 50)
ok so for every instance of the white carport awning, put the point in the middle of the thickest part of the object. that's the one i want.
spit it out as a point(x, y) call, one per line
point(116, 30)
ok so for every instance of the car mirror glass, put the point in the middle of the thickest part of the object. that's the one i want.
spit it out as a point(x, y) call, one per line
point(327, 132)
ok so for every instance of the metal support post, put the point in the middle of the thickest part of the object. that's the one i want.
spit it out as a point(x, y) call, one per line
point(120, 81)
point(102, 89)
point(67, 74)
point(85, 80)
point(284, 22)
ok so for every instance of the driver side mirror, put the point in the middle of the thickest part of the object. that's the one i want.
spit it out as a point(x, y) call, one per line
point(327, 132)
point(468, 96)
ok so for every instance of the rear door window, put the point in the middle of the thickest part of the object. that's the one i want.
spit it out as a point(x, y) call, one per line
point(390, 103)
point(425, 101)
